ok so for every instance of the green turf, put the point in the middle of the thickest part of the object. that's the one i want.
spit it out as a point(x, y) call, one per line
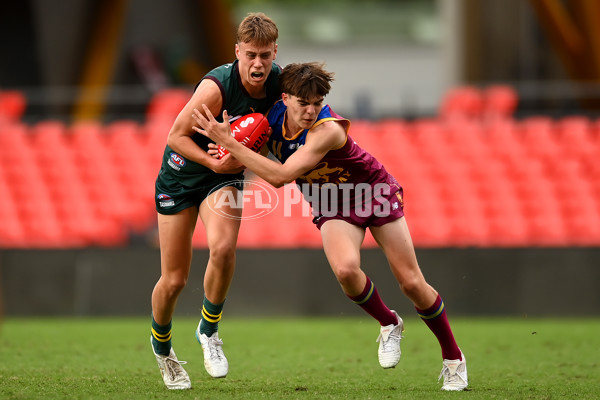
point(317, 358)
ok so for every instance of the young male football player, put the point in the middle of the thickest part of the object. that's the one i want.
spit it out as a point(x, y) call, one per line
point(349, 191)
point(188, 183)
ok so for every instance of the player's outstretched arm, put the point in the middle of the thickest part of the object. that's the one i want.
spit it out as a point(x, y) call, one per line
point(324, 138)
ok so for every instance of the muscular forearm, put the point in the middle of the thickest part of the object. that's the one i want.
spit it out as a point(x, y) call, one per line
point(269, 170)
point(185, 146)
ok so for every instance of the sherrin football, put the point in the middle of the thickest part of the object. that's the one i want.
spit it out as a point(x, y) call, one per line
point(251, 130)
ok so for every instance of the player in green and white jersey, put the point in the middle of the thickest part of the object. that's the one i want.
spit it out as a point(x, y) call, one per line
point(187, 186)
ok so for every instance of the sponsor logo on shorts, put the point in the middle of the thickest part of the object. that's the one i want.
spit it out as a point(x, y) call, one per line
point(176, 161)
point(164, 200)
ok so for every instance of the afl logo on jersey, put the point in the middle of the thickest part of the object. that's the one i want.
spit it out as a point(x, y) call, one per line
point(176, 161)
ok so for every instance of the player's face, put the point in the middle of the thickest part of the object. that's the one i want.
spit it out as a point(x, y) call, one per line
point(301, 113)
point(255, 63)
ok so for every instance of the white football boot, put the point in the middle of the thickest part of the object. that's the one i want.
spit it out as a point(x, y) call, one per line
point(389, 343)
point(215, 361)
point(455, 374)
point(171, 370)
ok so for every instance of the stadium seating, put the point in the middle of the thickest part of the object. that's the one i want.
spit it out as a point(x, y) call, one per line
point(472, 176)
point(12, 105)
point(499, 101)
point(167, 103)
point(462, 102)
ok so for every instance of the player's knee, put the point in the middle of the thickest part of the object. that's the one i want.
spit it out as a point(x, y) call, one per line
point(412, 287)
point(222, 253)
point(174, 285)
point(347, 274)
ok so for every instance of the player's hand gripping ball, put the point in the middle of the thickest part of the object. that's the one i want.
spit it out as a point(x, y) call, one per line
point(251, 130)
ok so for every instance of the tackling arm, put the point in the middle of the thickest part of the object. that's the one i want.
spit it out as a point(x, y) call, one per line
point(324, 138)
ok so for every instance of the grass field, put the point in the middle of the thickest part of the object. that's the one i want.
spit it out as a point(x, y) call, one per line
point(315, 358)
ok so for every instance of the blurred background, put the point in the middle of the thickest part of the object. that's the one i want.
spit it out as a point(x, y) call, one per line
point(486, 111)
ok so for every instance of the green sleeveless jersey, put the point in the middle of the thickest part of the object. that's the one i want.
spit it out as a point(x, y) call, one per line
point(237, 102)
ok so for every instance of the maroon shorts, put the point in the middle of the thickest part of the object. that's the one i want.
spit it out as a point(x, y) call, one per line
point(381, 204)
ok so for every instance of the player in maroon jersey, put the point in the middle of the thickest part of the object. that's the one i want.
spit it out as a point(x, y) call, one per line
point(349, 191)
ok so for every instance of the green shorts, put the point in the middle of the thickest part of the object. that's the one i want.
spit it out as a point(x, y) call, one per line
point(171, 196)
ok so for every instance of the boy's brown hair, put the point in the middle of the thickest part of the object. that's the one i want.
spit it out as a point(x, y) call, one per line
point(305, 80)
point(257, 28)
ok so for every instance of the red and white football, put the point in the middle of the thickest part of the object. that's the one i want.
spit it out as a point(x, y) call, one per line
point(251, 130)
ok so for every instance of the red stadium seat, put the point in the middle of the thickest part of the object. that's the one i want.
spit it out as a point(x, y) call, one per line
point(582, 222)
point(12, 234)
point(466, 139)
point(394, 135)
point(508, 229)
point(426, 217)
point(277, 231)
point(291, 215)
point(12, 105)
point(567, 169)
point(133, 171)
point(363, 130)
point(546, 229)
point(85, 130)
point(155, 135)
point(48, 133)
point(576, 137)
point(25, 182)
point(45, 231)
point(468, 180)
point(485, 172)
point(462, 102)
point(526, 170)
point(124, 134)
point(502, 137)
point(503, 212)
point(539, 137)
point(88, 143)
point(541, 208)
point(86, 225)
point(52, 150)
point(167, 104)
point(499, 101)
point(430, 139)
point(429, 230)
point(468, 225)
point(14, 136)
point(384, 140)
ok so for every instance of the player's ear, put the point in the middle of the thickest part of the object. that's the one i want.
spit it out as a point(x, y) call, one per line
point(237, 51)
point(275, 52)
point(284, 98)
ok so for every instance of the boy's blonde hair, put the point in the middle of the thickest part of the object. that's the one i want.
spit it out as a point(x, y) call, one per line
point(257, 28)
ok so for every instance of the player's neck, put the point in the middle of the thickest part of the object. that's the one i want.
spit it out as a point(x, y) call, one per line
point(257, 92)
point(290, 128)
